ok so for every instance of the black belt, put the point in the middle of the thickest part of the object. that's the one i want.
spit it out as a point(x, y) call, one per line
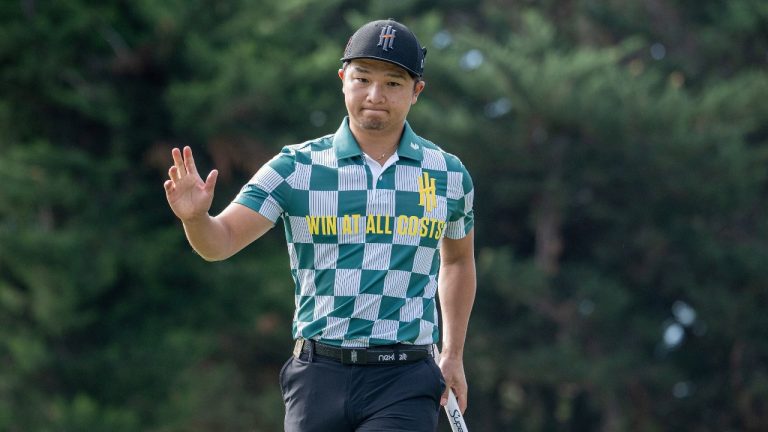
point(385, 354)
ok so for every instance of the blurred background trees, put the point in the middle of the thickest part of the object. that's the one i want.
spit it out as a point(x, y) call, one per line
point(619, 153)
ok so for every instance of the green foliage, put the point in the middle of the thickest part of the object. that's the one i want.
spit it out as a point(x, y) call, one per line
point(618, 183)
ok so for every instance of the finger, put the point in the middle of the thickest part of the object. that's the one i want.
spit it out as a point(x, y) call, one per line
point(444, 396)
point(168, 185)
point(210, 182)
point(173, 173)
point(189, 162)
point(461, 397)
point(178, 162)
point(460, 391)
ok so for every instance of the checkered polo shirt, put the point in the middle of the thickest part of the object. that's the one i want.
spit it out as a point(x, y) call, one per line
point(363, 250)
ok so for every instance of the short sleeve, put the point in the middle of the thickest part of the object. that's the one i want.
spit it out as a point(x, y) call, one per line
point(461, 219)
point(268, 192)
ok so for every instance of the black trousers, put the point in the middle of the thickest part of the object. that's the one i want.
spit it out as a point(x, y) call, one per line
point(323, 395)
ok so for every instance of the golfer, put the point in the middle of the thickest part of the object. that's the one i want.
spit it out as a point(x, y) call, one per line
point(378, 220)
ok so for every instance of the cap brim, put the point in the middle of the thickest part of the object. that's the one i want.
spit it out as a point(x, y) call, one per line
point(409, 70)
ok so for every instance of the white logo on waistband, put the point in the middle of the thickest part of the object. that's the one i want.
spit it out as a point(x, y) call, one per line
point(353, 356)
point(387, 357)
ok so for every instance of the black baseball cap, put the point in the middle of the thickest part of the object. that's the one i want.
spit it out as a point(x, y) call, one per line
point(389, 41)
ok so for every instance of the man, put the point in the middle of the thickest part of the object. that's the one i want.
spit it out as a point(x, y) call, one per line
point(370, 213)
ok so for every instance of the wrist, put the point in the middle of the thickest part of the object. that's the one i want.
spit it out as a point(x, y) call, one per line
point(453, 353)
point(196, 219)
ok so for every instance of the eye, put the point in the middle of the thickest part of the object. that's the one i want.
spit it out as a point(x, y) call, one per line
point(394, 84)
point(360, 80)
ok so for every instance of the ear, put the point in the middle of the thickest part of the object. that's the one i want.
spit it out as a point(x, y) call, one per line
point(418, 88)
point(341, 76)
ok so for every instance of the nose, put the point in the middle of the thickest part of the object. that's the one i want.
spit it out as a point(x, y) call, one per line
point(376, 93)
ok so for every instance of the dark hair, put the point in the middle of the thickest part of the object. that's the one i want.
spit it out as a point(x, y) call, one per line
point(415, 77)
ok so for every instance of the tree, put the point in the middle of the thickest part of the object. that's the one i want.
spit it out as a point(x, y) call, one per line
point(617, 151)
point(608, 186)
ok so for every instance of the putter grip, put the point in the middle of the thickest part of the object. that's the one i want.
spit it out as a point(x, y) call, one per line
point(452, 411)
point(455, 418)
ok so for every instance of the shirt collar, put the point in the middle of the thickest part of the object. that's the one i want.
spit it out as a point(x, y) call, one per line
point(346, 145)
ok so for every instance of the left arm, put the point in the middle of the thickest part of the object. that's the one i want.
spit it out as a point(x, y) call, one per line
point(456, 290)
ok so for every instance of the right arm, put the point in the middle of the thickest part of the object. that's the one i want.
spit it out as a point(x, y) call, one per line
point(190, 198)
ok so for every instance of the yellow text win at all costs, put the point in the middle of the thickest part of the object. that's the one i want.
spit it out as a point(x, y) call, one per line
point(376, 224)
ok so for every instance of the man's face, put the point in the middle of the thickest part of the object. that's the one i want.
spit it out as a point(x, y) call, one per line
point(378, 95)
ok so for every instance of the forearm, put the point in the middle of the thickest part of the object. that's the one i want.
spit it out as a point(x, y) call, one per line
point(456, 287)
point(209, 237)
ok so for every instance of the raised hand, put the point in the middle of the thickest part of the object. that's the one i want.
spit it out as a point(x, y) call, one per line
point(188, 195)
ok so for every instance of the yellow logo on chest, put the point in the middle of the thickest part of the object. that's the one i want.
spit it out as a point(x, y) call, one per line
point(427, 192)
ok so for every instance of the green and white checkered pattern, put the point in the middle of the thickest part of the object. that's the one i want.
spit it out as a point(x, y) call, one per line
point(364, 251)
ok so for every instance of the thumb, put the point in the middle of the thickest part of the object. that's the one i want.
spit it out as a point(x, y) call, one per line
point(210, 182)
point(444, 396)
